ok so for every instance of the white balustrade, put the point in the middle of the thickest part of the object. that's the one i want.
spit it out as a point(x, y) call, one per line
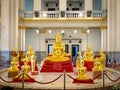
point(67, 14)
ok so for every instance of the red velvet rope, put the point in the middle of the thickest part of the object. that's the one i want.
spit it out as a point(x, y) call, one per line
point(111, 79)
point(70, 76)
point(96, 77)
point(5, 80)
point(46, 82)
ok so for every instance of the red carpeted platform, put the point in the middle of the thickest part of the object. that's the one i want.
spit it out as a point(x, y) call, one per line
point(57, 66)
point(88, 81)
point(89, 65)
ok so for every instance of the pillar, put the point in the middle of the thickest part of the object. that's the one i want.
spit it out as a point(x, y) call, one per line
point(5, 6)
point(111, 23)
point(62, 5)
point(37, 7)
point(22, 37)
point(88, 5)
point(13, 24)
point(104, 38)
point(9, 28)
point(117, 25)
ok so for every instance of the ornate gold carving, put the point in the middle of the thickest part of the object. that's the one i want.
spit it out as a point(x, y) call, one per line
point(22, 27)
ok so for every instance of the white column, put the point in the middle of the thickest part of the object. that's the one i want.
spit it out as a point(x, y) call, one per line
point(5, 13)
point(21, 8)
point(13, 24)
point(62, 5)
point(88, 5)
point(111, 23)
point(37, 5)
point(117, 25)
point(104, 4)
point(104, 39)
point(22, 38)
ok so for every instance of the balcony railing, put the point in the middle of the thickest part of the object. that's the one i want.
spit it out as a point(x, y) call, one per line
point(62, 14)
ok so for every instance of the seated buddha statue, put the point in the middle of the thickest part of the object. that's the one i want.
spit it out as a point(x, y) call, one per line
point(58, 52)
point(89, 55)
point(15, 55)
point(102, 59)
point(82, 72)
point(97, 65)
point(29, 53)
point(13, 70)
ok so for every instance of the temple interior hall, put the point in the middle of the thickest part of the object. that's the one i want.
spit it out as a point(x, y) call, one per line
point(81, 23)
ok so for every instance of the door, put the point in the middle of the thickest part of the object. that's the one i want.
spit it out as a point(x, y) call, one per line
point(75, 49)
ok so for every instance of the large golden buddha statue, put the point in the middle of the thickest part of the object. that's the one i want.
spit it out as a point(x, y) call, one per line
point(58, 52)
point(89, 55)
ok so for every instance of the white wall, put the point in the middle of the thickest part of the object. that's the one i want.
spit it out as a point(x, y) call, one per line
point(38, 42)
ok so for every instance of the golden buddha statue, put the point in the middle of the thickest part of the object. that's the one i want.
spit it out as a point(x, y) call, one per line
point(29, 53)
point(102, 59)
point(13, 70)
point(97, 64)
point(82, 72)
point(58, 52)
point(89, 55)
point(15, 55)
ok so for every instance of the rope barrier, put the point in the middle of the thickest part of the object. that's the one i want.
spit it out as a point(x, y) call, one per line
point(97, 77)
point(46, 82)
point(111, 79)
point(5, 80)
point(70, 76)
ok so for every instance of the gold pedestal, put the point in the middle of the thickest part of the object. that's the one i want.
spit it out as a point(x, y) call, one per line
point(12, 74)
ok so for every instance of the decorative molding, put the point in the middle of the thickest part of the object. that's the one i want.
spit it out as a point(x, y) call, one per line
point(103, 27)
point(22, 27)
point(62, 19)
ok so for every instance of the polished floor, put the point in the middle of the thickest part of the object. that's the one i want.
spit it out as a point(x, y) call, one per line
point(59, 84)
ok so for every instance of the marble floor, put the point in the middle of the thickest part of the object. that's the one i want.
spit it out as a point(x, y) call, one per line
point(59, 84)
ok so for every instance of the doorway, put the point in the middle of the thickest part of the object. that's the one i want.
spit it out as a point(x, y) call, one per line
point(75, 49)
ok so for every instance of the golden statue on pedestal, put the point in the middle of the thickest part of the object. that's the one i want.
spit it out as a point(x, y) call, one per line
point(82, 70)
point(29, 53)
point(97, 65)
point(102, 59)
point(58, 52)
point(89, 55)
point(13, 70)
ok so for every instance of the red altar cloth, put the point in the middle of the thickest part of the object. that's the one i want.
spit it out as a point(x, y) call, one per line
point(89, 65)
point(87, 81)
point(17, 79)
point(57, 66)
point(29, 63)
